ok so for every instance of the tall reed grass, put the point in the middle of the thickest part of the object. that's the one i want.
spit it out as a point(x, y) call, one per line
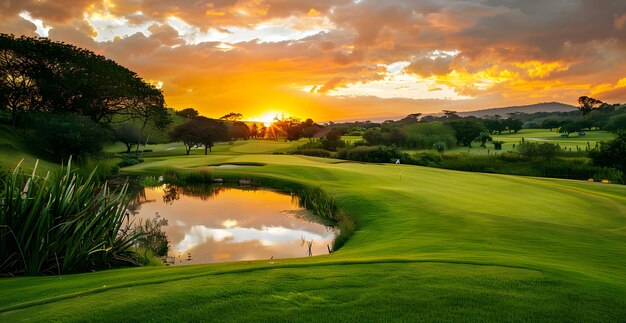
point(62, 223)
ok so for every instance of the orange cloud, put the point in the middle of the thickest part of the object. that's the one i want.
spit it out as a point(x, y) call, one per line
point(302, 57)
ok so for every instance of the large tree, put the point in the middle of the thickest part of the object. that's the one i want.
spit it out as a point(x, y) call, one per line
point(50, 76)
point(587, 104)
point(200, 131)
point(128, 134)
point(209, 132)
point(466, 130)
point(149, 109)
point(187, 134)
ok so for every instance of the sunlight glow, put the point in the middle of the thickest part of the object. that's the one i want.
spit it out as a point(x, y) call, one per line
point(268, 118)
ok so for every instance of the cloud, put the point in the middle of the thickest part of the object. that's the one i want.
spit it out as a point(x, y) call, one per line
point(165, 34)
point(426, 66)
point(251, 55)
point(331, 85)
point(18, 26)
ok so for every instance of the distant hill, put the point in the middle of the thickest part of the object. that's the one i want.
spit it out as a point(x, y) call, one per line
point(532, 108)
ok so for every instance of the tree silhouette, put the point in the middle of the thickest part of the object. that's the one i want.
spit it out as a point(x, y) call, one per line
point(188, 113)
point(233, 116)
point(587, 104)
point(43, 75)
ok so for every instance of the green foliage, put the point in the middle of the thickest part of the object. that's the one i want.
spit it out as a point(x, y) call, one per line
point(129, 161)
point(64, 135)
point(611, 153)
point(439, 146)
point(545, 151)
point(62, 78)
point(237, 130)
point(483, 138)
point(616, 123)
point(61, 223)
point(200, 131)
point(332, 140)
point(466, 130)
point(425, 135)
point(315, 152)
point(372, 154)
point(374, 137)
point(129, 135)
point(427, 158)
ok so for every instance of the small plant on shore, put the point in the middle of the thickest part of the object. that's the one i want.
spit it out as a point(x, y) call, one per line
point(61, 223)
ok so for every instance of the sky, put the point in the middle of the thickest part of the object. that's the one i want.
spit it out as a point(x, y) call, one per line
point(347, 59)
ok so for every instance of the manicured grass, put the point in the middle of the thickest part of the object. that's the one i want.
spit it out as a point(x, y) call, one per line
point(538, 136)
point(351, 139)
point(251, 146)
point(431, 245)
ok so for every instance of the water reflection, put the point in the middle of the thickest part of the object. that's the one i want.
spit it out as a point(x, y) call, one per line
point(215, 224)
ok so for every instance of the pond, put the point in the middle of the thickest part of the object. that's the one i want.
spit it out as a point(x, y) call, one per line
point(209, 223)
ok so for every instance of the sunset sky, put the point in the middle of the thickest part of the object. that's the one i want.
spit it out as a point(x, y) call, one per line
point(347, 59)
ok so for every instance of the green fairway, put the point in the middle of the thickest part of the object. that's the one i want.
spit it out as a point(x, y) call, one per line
point(431, 244)
point(251, 146)
point(538, 136)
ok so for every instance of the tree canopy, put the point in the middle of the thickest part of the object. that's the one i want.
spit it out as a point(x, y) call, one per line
point(37, 74)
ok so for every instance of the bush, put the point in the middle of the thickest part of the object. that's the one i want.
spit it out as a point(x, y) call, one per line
point(311, 144)
point(439, 146)
point(427, 158)
point(61, 223)
point(546, 151)
point(129, 161)
point(611, 153)
point(64, 135)
point(377, 154)
point(313, 152)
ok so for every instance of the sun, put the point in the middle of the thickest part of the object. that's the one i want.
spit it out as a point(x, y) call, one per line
point(268, 118)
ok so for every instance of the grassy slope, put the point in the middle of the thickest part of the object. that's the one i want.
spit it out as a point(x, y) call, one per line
point(13, 148)
point(431, 245)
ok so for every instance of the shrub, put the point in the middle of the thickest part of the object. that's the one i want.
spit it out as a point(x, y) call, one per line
point(377, 154)
point(61, 223)
point(129, 161)
point(427, 158)
point(64, 135)
point(439, 146)
point(611, 153)
point(546, 151)
point(313, 152)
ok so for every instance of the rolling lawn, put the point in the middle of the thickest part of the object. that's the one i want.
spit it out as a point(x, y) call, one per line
point(431, 244)
point(539, 136)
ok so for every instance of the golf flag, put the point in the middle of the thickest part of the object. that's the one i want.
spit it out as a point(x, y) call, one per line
point(397, 161)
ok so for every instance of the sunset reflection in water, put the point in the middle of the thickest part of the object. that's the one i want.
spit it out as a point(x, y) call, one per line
point(225, 224)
